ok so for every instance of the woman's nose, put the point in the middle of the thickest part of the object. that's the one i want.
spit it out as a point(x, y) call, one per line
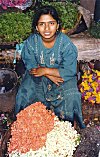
point(46, 26)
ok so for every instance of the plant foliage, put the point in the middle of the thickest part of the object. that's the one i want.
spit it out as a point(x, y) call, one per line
point(14, 26)
point(95, 30)
point(68, 12)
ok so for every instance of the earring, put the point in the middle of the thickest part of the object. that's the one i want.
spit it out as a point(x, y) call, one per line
point(57, 31)
point(37, 31)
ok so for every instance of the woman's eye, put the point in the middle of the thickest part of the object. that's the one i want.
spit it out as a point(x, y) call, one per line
point(52, 23)
point(48, 23)
point(41, 24)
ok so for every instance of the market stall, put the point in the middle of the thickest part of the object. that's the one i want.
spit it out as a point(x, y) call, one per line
point(88, 52)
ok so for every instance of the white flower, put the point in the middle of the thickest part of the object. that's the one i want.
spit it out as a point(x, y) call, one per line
point(61, 142)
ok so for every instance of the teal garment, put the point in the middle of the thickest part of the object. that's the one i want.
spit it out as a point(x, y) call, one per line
point(64, 100)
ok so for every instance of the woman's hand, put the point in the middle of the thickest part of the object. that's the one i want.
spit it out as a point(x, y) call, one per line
point(42, 71)
point(37, 72)
point(56, 80)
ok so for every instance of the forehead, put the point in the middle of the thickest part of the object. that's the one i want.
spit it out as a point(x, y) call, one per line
point(46, 18)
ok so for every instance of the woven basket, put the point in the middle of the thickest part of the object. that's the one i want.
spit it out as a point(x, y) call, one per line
point(89, 139)
point(71, 31)
point(5, 140)
point(4, 144)
point(8, 89)
point(6, 62)
point(7, 57)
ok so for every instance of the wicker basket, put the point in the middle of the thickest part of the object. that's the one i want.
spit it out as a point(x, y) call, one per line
point(8, 89)
point(6, 62)
point(89, 139)
point(71, 31)
point(7, 57)
point(5, 140)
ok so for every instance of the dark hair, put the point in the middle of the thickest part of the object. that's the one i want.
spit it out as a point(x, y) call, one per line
point(42, 11)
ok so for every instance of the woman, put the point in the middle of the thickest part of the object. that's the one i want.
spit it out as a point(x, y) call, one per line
point(50, 59)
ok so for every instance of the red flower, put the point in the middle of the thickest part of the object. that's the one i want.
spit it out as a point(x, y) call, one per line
point(31, 127)
point(11, 3)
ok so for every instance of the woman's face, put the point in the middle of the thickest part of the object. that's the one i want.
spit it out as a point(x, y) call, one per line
point(47, 27)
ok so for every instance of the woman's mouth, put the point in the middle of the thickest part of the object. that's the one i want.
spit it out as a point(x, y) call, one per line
point(47, 33)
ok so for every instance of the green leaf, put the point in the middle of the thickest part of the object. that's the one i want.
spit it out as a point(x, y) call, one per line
point(14, 26)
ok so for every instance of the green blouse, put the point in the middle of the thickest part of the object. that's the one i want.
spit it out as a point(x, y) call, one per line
point(64, 100)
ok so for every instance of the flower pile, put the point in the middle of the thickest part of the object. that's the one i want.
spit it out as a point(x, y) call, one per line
point(12, 3)
point(90, 86)
point(38, 132)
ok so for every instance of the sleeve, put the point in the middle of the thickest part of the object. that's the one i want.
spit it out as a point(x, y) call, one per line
point(68, 66)
point(28, 56)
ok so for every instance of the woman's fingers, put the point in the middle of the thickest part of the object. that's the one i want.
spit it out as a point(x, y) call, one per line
point(59, 79)
point(33, 71)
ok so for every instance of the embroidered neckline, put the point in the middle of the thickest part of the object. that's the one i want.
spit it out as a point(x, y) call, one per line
point(48, 50)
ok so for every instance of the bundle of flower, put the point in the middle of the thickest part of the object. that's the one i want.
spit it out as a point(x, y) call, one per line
point(13, 3)
point(90, 86)
point(37, 132)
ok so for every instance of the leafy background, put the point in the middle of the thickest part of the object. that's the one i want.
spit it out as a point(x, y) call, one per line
point(16, 26)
